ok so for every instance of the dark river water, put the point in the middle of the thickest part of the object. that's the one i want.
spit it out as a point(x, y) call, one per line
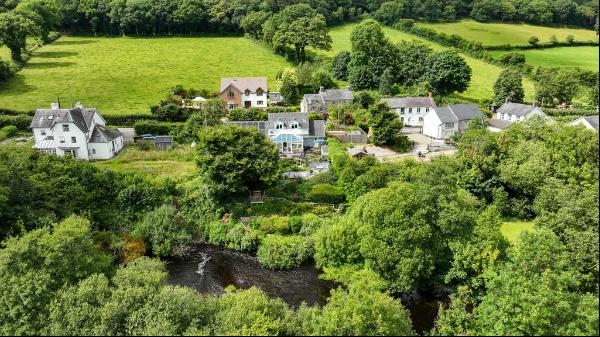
point(210, 269)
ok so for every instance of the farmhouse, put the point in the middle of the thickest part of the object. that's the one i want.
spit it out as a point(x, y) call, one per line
point(411, 110)
point(292, 132)
point(590, 122)
point(510, 113)
point(325, 98)
point(441, 123)
point(79, 132)
point(246, 92)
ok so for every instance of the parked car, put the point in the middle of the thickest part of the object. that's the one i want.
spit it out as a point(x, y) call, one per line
point(149, 136)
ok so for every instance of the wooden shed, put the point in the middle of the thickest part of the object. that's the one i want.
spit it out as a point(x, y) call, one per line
point(163, 143)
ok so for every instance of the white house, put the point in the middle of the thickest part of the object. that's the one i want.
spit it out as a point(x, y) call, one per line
point(79, 132)
point(510, 113)
point(245, 92)
point(590, 122)
point(441, 123)
point(411, 110)
point(292, 132)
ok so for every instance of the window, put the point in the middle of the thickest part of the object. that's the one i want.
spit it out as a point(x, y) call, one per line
point(73, 140)
point(420, 119)
point(503, 116)
point(510, 116)
point(65, 127)
point(449, 125)
point(402, 119)
point(230, 94)
point(247, 92)
point(279, 126)
point(93, 151)
point(418, 110)
point(259, 93)
point(409, 110)
point(260, 102)
point(62, 139)
point(294, 125)
point(231, 106)
point(426, 109)
point(43, 133)
point(402, 110)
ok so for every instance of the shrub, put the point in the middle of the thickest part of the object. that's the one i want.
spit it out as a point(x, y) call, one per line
point(275, 224)
point(252, 114)
point(21, 121)
point(326, 193)
point(243, 238)
point(5, 71)
point(570, 39)
point(310, 224)
point(534, 40)
point(553, 40)
point(9, 130)
point(162, 229)
point(283, 252)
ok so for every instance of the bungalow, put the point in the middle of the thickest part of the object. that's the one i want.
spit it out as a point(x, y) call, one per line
point(79, 132)
point(590, 122)
point(247, 92)
point(510, 113)
point(325, 98)
point(411, 110)
point(441, 123)
point(292, 132)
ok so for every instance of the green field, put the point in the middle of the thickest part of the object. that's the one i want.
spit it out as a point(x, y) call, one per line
point(127, 75)
point(582, 57)
point(512, 230)
point(484, 74)
point(177, 163)
point(495, 34)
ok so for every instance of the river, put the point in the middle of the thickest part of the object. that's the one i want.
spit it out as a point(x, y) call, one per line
point(210, 269)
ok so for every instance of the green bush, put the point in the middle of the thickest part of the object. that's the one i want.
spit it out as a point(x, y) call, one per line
point(275, 224)
point(310, 223)
point(283, 252)
point(9, 130)
point(21, 121)
point(162, 229)
point(243, 238)
point(326, 193)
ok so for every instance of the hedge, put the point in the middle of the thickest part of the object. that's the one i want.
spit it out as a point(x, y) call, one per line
point(129, 120)
point(157, 128)
point(326, 193)
point(22, 122)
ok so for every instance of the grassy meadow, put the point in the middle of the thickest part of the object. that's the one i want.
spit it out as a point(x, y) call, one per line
point(176, 163)
point(482, 80)
point(513, 229)
point(582, 57)
point(124, 75)
point(495, 34)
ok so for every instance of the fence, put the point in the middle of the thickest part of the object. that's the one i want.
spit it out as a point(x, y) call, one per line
point(356, 137)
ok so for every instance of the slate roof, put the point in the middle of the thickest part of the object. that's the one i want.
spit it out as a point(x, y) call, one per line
point(458, 112)
point(287, 117)
point(592, 120)
point(317, 128)
point(499, 123)
point(243, 83)
point(466, 111)
point(102, 134)
point(47, 118)
point(409, 102)
point(516, 109)
point(336, 94)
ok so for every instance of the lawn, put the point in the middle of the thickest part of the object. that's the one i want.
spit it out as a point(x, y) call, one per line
point(582, 57)
point(494, 34)
point(124, 75)
point(513, 229)
point(177, 163)
point(482, 80)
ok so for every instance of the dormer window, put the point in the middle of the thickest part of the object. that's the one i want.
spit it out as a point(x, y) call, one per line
point(247, 92)
point(65, 127)
point(259, 92)
point(279, 125)
point(294, 125)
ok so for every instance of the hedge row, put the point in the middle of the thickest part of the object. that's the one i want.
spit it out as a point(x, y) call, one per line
point(129, 120)
point(570, 112)
point(157, 128)
point(21, 122)
point(543, 45)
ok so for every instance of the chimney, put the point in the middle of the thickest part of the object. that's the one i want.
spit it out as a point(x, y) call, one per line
point(321, 89)
point(536, 104)
point(55, 106)
point(79, 105)
point(493, 108)
point(430, 94)
point(507, 100)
